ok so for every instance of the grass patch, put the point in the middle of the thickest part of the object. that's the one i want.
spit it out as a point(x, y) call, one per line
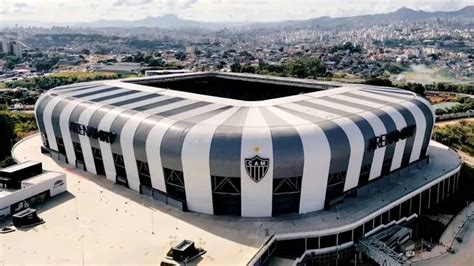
point(459, 136)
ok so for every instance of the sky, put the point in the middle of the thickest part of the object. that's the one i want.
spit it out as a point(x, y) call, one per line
point(208, 10)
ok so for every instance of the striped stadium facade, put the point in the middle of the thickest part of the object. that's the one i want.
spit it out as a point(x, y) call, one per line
point(311, 148)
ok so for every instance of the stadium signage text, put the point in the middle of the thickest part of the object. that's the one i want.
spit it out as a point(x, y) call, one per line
point(392, 137)
point(256, 167)
point(58, 183)
point(92, 132)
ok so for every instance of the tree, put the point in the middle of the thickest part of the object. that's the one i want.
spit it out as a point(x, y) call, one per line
point(171, 66)
point(440, 87)
point(127, 59)
point(248, 69)
point(348, 46)
point(414, 87)
point(379, 82)
point(392, 68)
point(8, 137)
point(180, 56)
point(221, 65)
point(48, 82)
point(440, 111)
point(45, 64)
point(235, 67)
point(138, 58)
point(157, 62)
point(7, 162)
point(306, 68)
point(11, 61)
point(13, 127)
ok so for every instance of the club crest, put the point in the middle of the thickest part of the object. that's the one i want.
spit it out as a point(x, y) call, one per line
point(256, 167)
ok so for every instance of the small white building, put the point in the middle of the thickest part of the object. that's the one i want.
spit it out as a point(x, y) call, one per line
point(33, 190)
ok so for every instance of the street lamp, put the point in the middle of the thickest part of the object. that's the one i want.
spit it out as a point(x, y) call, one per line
point(152, 229)
point(77, 213)
point(82, 248)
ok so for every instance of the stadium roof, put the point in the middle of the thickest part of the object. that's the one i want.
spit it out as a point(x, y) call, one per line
point(173, 96)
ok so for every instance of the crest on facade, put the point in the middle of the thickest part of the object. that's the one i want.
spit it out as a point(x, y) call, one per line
point(257, 167)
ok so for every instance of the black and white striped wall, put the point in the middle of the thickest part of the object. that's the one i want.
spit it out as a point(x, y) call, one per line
point(312, 141)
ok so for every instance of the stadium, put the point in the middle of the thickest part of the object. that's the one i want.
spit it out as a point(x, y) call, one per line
point(329, 163)
point(236, 144)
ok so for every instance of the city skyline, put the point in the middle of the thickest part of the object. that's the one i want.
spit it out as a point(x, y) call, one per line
point(206, 10)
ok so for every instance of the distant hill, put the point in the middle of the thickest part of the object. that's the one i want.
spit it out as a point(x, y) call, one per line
point(173, 22)
point(167, 21)
point(402, 14)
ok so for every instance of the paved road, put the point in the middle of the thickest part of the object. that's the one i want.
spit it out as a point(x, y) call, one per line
point(464, 252)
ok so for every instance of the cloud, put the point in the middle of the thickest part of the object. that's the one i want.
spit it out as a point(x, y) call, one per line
point(209, 10)
point(189, 3)
point(22, 8)
point(3, 10)
point(177, 4)
point(132, 2)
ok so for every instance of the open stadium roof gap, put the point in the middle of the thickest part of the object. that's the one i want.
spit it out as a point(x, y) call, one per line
point(243, 87)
